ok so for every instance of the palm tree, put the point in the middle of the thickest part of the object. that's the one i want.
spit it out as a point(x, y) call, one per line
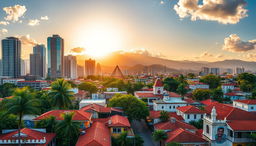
point(61, 93)
point(159, 135)
point(22, 103)
point(48, 123)
point(122, 139)
point(164, 116)
point(67, 130)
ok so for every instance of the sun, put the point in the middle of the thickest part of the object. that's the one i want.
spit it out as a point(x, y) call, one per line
point(100, 41)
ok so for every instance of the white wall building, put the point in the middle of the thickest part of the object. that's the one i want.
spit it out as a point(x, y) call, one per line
point(190, 113)
point(247, 105)
point(227, 87)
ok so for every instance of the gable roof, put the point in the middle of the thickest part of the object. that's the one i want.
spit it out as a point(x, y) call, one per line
point(173, 125)
point(247, 125)
point(251, 101)
point(100, 109)
point(183, 136)
point(97, 135)
point(119, 121)
point(157, 114)
point(147, 95)
point(29, 134)
point(190, 110)
point(208, 102)
point(158, 83)
point(78, 115)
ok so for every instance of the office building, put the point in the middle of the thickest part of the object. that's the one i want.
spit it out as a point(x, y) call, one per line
point(80, 71)
point(55, 45)
point(89, 67)
point(11, 57)
point(70, 67)
point(215, 71)
point(98, 69)
point(38, 61)
point(239, 70)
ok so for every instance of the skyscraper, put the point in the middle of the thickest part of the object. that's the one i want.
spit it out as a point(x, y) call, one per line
point(98, 69)
point(55, 46)
point(70, 67)
point(38, 61)
point(89, 67)
point(11, 60)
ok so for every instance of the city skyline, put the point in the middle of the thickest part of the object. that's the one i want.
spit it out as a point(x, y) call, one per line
point(163, 29)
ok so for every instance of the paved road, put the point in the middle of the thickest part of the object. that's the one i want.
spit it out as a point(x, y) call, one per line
point(141, 128)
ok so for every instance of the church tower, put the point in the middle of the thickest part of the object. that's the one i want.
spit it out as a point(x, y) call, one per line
point(158, 87)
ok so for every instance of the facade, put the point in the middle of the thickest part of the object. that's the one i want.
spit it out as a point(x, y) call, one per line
point(89, 67)
point(11, 80)
point(198, 85)
point(55, 46)
point(70, 67)
point(215, 71)
point(239, 70)
point(247, 105)
point(38, 61)
point(37, 85)
point(98, 69)
point(11, 57)
point(205, 70)
point(80, 71)
point(24, 67)
point(227, 87)
point(190, 113)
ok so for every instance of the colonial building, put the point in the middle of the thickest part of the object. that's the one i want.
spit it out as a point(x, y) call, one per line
point(190, 113)
point(247, 105)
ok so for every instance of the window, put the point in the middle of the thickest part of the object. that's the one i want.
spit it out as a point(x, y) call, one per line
point(170, 107)
point(230, 133)
point(188, 116)
point(173, 107)
point(162, 107)
point(239, 134)
point(194, 116)
point(116, 130)
point(252, 107)
point(202, 116)
point(207, 129)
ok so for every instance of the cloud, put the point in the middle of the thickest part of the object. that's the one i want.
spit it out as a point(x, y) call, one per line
point(3, 31)
point(206, 54)
point(27, 40)
point(33, 22)
point(4, 22)
point(44, 18)
point(222, 11)
point(233, 43)
point(77, 50)
point(14, 12)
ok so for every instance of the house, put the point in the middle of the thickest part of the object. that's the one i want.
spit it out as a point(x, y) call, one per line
point(227, 87)
point(197, 85)
point(35, 137)
point(154, 117)
point(119, 124)
point(190, 113)
point(169, 103)
point(185, 138)
point(174, 124)
point(99, 111)
point(97, 135)
point(228, 125)
point(86, 102)
point(247, 105)
point(208, 102)
point(235, 95)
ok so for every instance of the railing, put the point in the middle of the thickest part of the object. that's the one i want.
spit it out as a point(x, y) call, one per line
point(28, 141)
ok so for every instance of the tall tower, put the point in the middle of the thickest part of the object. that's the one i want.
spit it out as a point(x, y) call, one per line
point(70, 67)
point(11, 57)
point(98, 69)
point(89, 67)
point(158, 87)
point(55, 46)
point(38, 61)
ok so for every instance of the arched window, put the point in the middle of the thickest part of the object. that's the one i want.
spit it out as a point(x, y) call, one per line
point(170, 107)
point(207, 129)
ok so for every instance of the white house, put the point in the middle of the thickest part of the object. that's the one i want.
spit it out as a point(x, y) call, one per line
point(198, 85)
point(247, 105)
point(190, 113)
point(228, 87)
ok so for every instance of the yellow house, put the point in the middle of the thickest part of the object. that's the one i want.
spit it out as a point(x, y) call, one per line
point(118, 124)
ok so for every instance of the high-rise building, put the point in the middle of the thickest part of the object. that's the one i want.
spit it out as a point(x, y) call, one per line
point(215, 71)
point(89, 67)
point(24, 67)
point(38, 61)
point(55, 46)
point(205, 70)
point(70, 67)
point(80, 71)
point(11, 57)
point(98, 69)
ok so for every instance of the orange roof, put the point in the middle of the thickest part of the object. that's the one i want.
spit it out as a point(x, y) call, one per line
point(157, 114)
point(100, 108)
point(173, 125)
point(208, 102)
point(183, 136)
point(147, 95)
point(30, 135)
point(190, 110)
point(119, 121)
point(252, 101)
point(173, 94)
point(158, 83)
point(247, 125)
point(78, 115)
point(189, 100)
point(97, 135)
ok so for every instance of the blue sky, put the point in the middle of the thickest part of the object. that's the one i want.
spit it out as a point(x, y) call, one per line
point(147, 24)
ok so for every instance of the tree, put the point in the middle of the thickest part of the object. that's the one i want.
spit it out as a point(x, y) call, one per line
point(133, 107)
point(164, 116)
point(61, 94)
point(198, 124)
point(191, 75)
point(45, 101)
point(171, 84)
point(173, 144)
point(217, 94)
point(22, 103)
point(182, 90)
point(246, 81)
point(49, 124)
point(201, 94)
point(88, 86)
point(67, 130)
point(181, 79)
point(212, 80)
point(8, 121)
point(7, 89)
point(159, 135)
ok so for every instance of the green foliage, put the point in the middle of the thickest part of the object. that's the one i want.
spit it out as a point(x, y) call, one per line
point(114, 83)
point(212, 80)
point(123, 140)
point(182, 90)
point(198, 124)
point(8, 121)
point(134, 108)
point(173, 144)
point(45, 101)
point(171, 84)
point(253, 94)
point(191, 75)
point(201, 94)
point(217, 94)
point(67, 130)
point(164, 116)
point(7, 89)
point(159, 135)
point(61, 94)
point(246, 81)
point(88, 86)
point(73, 85)
point(49, 124)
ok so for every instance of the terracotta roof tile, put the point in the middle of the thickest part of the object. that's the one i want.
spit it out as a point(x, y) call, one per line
point(190, 110)
point(120, 121)
point(248, 125)
point(173, 125)
point(252, 101)
point(158, 83)
point(156, 115)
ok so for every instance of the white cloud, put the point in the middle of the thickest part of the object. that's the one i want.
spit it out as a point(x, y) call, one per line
point(33, 22)
point(233, 43)
point(44, 18)
point(3, 31)
point(14, 12)
point(4, 22)
point(222, 11)
point(27, 40)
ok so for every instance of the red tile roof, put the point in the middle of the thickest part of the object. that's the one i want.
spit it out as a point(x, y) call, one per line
point(183, 136)
point(1, 99)
point(252, 101)
point(97, 135)
point(173, 125)
point(208, 102)
point(30, 135)
point(158, 83)
point(189, 100)
point(229, 112)
point(156, 115)
point(232, 94)
point(229, 84)
point(173, 94)
point(119, 121)
point(100, 109)
point(147, 95)
point(78, 115)
point(190, 110)
point(243, 125)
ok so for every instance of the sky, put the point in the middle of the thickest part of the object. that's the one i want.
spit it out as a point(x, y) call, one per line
point(198, 30)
